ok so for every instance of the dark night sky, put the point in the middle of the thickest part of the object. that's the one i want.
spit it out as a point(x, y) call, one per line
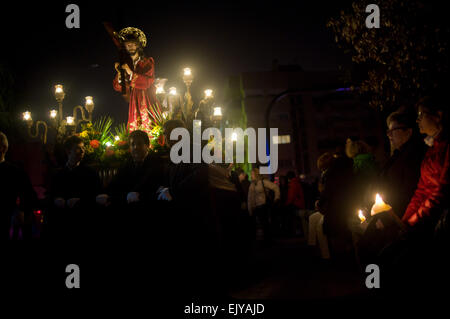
point(215, 39)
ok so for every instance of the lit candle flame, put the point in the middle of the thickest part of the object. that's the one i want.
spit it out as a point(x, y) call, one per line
point(58, 88)
point(218, 111)
point(69, 120)
point(187, 71)
point(208, 93)
point(27, 116)
point(173, 91)
point(361, 216)
point(379, 206)
point(89, 100)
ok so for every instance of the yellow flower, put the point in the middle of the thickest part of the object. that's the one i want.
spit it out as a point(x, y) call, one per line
point(84, 134)
point(156, 129)
point(89, 124)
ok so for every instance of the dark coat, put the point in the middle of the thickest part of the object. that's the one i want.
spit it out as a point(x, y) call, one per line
point(143, 179)
point(399, 176)
point(337, 201)
point(15, 192)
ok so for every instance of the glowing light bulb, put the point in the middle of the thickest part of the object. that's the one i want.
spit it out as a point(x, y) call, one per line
point(53, 113)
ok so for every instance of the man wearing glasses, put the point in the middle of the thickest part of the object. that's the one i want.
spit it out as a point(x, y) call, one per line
point(400, 174)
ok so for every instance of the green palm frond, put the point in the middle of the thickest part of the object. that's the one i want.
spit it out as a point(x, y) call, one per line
point(155, 113)
point(122, 131)
point(103, 127)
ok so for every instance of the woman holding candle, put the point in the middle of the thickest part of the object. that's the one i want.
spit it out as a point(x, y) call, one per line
point(430, 196)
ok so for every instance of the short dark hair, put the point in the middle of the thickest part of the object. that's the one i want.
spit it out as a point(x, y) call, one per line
point(170, 125)
point(71, 141)
point(407, 119)
point(139, 135)
point(239, 171)
point(433, 103)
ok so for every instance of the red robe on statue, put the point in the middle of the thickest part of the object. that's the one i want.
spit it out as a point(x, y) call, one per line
point(142, 95)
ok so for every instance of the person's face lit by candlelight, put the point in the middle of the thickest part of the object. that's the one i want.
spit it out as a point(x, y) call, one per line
point(429, 123)
point(75, 154)
point(398, 134)
point(138, 149)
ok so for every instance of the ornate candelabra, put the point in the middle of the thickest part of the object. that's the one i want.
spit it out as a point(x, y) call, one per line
point(175, 106)
point(62, 126)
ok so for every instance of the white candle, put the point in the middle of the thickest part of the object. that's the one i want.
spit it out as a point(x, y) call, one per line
point(361, 216)
point(379, 206)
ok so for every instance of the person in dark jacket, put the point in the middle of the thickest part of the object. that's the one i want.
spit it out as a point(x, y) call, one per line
point(16, 193)
point(72, 195)
point(419, 254)
point(399, 176)
point(396, 183)
point(139, 178)
point(337, 202)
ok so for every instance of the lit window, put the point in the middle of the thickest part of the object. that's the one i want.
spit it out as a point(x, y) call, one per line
point(282, 139)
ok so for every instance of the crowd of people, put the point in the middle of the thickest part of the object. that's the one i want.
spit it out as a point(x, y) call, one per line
point(209, 215)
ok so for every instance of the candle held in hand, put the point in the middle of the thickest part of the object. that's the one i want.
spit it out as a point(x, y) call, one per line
point(361, 216)
point(379, 206)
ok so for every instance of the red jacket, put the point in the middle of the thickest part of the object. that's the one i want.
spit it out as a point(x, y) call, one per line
point(295, 194)
point(433, 183)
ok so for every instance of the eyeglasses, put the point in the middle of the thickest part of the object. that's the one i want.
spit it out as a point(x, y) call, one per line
point(420, 114)
point(395, 128)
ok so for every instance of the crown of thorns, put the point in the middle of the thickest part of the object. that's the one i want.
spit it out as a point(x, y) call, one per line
point(133, 34)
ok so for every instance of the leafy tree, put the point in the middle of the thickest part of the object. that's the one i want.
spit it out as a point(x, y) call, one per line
point(407, 57)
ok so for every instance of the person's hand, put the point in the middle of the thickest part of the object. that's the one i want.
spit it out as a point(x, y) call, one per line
point(126, 68)
point(116, 66)
point(72, 202)
point(59, 202)
point(132, 197)
point(102, 199)
point(164, 194)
